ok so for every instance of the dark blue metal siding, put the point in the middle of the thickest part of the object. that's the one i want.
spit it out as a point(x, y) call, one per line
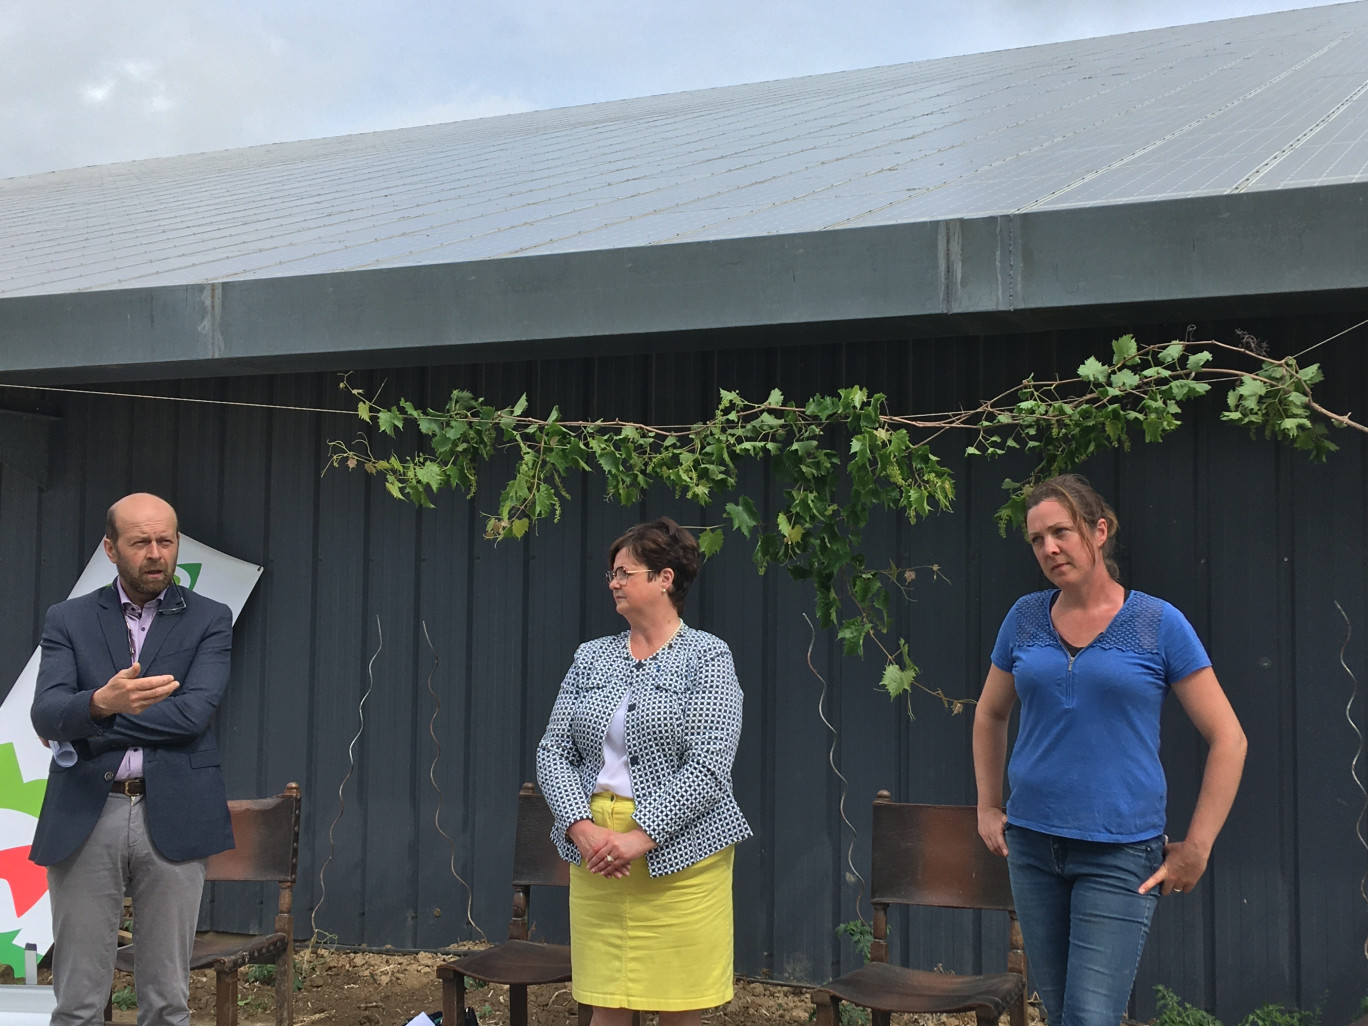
point(1253, 543)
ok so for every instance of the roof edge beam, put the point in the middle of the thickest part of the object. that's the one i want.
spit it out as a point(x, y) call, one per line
point(1005, 269)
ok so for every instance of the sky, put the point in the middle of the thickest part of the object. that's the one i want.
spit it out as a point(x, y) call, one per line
point(87, 82)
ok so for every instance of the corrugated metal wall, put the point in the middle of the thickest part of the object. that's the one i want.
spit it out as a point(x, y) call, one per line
point(1256, 545)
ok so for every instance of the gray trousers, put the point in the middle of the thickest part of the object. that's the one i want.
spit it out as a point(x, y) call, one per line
point(87, 891)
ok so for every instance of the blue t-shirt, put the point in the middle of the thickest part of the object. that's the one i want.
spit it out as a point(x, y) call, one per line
point(1086, 761)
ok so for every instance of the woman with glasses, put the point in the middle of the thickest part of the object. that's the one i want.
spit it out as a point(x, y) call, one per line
point(636, 767)
point(1083, 830)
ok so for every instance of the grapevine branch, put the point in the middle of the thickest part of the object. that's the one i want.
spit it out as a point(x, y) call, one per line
point(840, 458)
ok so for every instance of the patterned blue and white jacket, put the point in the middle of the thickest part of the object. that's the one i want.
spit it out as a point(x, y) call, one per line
point(682, 728)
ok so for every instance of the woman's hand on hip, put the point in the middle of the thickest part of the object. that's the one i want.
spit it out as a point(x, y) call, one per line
point(992, 824)
point(1183, 865)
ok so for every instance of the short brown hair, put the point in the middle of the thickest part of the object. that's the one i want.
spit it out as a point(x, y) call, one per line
point(662, 543)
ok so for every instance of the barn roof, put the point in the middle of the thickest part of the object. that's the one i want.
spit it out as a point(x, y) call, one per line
point(1182, 165)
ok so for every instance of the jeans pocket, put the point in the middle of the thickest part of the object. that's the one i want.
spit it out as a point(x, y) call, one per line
point(1147, 856)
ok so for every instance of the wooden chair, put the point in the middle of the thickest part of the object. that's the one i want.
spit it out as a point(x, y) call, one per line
point(266, 849)
point(518, 962)
point(930, 855)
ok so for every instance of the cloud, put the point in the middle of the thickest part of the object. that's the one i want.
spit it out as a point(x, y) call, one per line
point(117, 80)
point(129, 85)
point(96, 82)
point(98, 93)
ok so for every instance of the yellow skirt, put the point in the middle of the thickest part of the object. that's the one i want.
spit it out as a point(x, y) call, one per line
point(661, 944)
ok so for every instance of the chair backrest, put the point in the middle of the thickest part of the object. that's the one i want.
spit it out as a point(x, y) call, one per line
point(535, 858)
point(265, 840)
point(933, 855)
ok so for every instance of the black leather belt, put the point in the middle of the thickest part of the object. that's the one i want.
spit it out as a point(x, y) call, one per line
point(129, 788)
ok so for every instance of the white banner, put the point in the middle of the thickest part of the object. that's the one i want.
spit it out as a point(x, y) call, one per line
point(26, 917)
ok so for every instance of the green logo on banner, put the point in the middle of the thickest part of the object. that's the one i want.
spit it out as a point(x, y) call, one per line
point(187, 574)
point(16, 793)
point(12, 954)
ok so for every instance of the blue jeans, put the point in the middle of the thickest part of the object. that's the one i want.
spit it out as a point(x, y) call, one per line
point(1083, 920)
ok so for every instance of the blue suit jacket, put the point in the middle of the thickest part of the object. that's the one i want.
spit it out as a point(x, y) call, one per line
point(85, 642)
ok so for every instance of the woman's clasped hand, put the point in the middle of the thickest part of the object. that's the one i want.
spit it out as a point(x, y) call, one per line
point(608, 852)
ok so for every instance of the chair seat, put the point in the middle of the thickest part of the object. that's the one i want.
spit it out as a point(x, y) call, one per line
point(514, 962)
point(892, 988)
point(220, 954)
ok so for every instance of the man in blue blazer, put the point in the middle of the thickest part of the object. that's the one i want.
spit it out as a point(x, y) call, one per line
point(130, 676)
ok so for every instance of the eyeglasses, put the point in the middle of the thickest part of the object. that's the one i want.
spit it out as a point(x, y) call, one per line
point(621, 573)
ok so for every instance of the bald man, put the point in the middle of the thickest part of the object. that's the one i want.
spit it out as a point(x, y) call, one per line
point(130, 675)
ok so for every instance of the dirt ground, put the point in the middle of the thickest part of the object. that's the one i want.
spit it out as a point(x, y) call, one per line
point(372, 988)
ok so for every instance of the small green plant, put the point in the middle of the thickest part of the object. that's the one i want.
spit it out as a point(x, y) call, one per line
point(860, 934)
point(1363, 1005)
point(261, 974)
point(1174, 1011)
point(320, 945)
point(1281, 1015)
point(473, 984)
point(123, 999)
point(265, 974)
point(851, 1015)
point(311, 960)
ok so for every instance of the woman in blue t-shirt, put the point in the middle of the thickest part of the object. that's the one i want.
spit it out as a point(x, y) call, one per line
point(1083, 831)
